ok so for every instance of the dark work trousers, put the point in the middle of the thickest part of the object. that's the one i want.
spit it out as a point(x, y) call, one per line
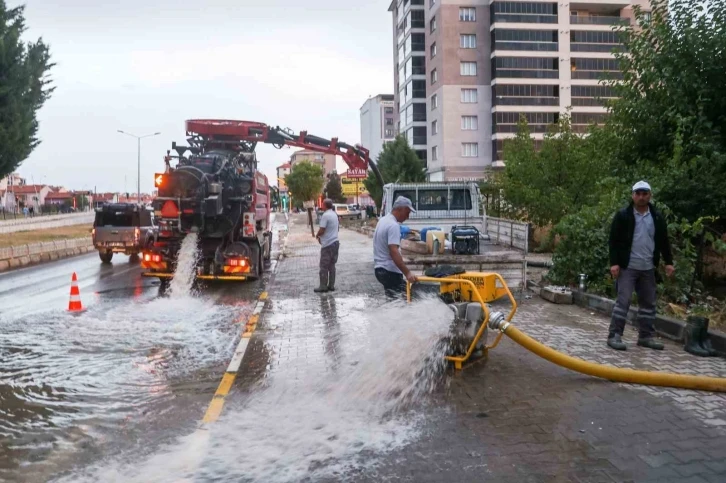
point(393, 283)
point(643, 282)
point(328, 259)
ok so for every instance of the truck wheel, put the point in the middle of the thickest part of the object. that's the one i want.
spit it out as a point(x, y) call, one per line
point(268, 247)
point(256, 259)
point(106, 256)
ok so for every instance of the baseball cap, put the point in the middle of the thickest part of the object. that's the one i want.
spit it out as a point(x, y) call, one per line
point(403, 202)
point(641, 185)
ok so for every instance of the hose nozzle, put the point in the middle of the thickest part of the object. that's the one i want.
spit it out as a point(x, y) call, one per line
point(497, 321)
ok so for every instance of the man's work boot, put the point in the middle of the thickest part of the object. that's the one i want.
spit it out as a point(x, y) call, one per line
point(331, 282)
point(705, 341)
point(694, 333)
point(650, 343)
point(323, 285)
point(617, 343)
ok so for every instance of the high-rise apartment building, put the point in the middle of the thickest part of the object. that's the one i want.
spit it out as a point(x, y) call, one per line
point(409, 59)
point(548, 57)
point(459, 89)
point(377, 123)
point(489, 62)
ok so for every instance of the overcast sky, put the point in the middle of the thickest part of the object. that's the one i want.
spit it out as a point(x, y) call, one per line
point(147, 65)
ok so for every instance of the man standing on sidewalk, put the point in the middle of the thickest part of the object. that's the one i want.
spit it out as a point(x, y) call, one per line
point(389, 267)
point(328, 238)
point(638, 237)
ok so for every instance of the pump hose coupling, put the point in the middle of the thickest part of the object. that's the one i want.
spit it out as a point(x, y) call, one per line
point(497, 321)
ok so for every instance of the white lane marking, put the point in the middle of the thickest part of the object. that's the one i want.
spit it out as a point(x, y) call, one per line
point(239, 354)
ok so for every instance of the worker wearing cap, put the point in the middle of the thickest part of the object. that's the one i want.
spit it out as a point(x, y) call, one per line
point(330, 245)
point(638, 238)
point(389, 267)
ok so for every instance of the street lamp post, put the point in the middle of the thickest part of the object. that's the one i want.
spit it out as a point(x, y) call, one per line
point(138, 160)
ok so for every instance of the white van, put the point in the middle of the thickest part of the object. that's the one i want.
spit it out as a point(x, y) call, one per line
point(439, 204)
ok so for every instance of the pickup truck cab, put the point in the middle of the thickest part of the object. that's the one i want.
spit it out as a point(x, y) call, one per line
point(439, 204)
point(122, 228)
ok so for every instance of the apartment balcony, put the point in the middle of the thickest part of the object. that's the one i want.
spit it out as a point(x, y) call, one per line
point(598, 20)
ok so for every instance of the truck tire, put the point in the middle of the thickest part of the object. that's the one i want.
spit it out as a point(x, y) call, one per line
point(268, 247)
point(256, 259)
point(105, 256)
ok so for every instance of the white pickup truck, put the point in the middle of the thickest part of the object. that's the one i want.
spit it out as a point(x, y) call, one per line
point(439, 204)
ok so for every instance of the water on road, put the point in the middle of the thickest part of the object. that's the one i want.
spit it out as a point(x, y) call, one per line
point(315, 426)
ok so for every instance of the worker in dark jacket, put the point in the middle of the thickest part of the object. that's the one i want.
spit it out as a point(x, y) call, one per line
point(638, 238)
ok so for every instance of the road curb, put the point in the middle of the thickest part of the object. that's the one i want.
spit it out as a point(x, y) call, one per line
point(667, 327)
point(248, 324)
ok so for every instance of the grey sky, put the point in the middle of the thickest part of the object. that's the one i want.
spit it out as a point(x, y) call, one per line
point(146, 66)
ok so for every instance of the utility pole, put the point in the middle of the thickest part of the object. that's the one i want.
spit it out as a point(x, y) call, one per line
point(138, 159)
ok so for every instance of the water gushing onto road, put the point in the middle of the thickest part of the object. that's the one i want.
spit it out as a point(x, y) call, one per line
point(186, 264)
point(316, 421)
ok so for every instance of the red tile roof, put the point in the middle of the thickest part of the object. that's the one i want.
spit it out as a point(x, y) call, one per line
point(27, 189)
point(284, 166)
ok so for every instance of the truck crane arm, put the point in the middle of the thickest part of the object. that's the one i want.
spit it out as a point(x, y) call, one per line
point(244, 136)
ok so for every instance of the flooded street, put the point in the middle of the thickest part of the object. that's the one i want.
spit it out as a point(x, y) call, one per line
point(134, 369)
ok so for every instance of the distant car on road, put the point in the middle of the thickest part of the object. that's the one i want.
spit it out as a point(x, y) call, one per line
point(122, 228)
point(347, 211)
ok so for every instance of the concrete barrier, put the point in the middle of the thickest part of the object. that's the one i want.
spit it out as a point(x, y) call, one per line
point(44, 222)
point(34, 253)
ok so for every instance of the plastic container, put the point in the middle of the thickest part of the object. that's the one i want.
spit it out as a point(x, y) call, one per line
point(432, 235)
point(426, 230)
point(405, 230)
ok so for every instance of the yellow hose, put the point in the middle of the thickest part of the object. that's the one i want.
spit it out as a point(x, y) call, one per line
point(615, 374)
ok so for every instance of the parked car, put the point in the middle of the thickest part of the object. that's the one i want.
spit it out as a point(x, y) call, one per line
point(122, 228)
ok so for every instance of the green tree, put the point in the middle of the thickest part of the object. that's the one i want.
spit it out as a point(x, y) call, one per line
point(334, 189)
point(398, 163)
point(305, 181)
point(669, 119)
point(24, 87)
point(543, 186)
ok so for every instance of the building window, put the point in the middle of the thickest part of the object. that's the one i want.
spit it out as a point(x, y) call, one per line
point(469, 96)
point(434, 153)
point(524, 12)
point(469, 123)
point(434, 101)
point(434, 77)
point(467, 41)
point(388, 110)
point(433, 50)
point(468, 68)
point(467, 14)
point(526, 67)
point(432, 24)
point(389, 133)
point(432, 3)
point(469, 150)
point(389, 121)
point(434, 127)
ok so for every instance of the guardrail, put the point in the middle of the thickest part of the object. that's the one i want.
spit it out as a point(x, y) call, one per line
point(22, 255)
point(43, 222)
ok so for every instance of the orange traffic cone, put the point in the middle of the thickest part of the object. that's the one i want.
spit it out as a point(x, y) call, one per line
point(74, 305)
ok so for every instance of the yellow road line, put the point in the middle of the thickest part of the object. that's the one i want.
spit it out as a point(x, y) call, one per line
point(215, 407)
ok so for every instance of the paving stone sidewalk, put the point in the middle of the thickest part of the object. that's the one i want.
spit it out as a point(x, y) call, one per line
point(515, 417)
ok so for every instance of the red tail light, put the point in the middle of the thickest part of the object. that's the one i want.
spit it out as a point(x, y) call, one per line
point(237, 262)
point(147, 257)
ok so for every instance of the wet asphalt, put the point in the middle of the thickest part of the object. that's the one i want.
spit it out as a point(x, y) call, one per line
point(134, 370)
